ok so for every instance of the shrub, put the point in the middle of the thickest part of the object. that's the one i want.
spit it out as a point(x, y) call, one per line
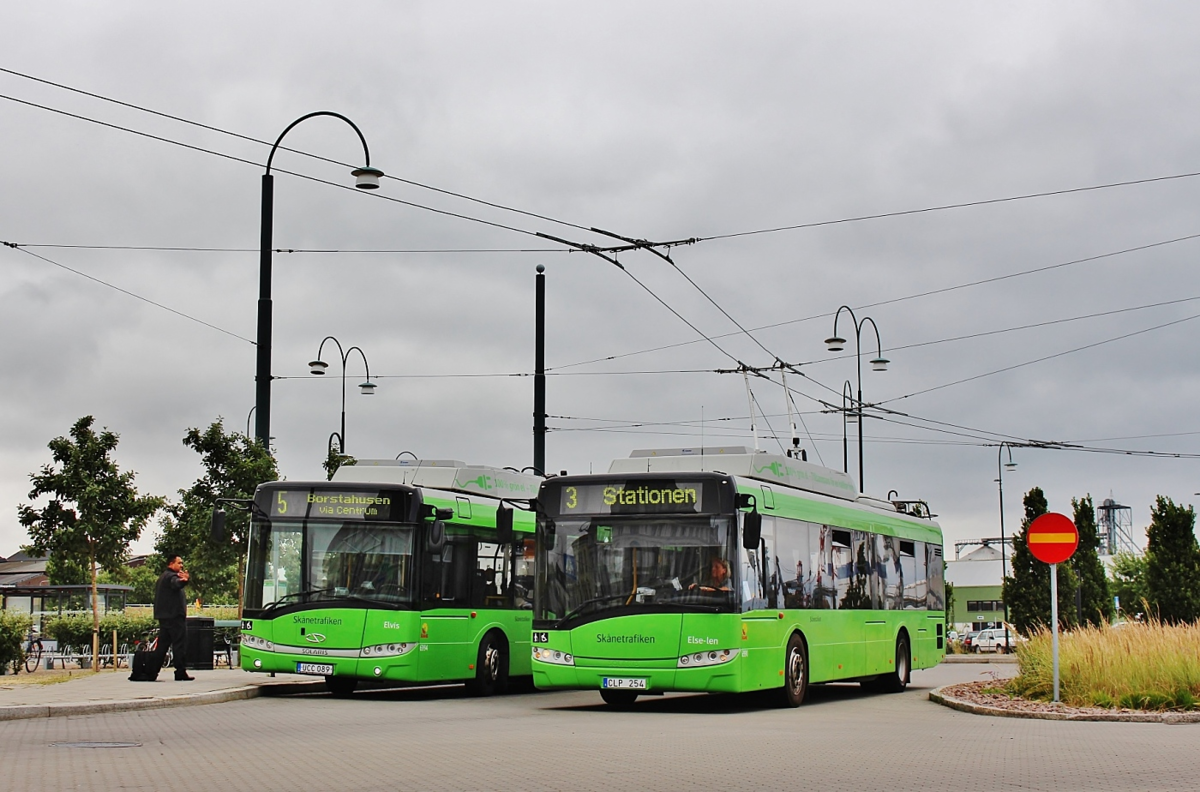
point(14, 628)
point(1151, 665)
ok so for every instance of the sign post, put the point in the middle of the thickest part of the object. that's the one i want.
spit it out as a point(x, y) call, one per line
point(1052, 538)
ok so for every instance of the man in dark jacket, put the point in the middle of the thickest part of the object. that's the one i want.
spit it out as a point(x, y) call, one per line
point(170, 608)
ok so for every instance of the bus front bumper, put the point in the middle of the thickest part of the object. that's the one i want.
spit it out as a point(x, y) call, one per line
point(724, 678)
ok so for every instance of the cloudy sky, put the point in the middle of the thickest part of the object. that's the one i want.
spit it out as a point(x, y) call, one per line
point(1066, 318)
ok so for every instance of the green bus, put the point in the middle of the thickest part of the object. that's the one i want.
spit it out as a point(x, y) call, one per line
point(410, 571)
point(731, 571)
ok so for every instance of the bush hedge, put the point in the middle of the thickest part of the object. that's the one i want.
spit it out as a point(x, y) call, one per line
point(76, 630)
point(14, 629)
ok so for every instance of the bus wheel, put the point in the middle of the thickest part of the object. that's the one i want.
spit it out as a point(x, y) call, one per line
point(340, 686)
point(491, 667)
point(898, 679)
point(619, 699)
point(795, 673)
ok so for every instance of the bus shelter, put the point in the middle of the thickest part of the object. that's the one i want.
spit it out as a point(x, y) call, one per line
point(45, 601)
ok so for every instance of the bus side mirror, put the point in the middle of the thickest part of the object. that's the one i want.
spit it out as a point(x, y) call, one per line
point(504, 525)
point(435, 536)
point(217, 532)
point(751, 530)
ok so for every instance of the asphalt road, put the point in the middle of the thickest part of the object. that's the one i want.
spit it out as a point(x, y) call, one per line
point(841, 739)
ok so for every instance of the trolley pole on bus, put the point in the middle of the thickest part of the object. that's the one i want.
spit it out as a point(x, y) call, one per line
point(539, 374)
point(367, 178)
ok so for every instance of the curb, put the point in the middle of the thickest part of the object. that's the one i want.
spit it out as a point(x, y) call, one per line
point(1002, 659)
point(23, 711)
point(938, 697)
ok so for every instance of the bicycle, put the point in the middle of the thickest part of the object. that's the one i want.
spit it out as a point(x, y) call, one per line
point(33, 652)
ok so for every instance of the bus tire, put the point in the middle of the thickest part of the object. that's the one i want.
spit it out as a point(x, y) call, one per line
point(619, 699)
point(491, 667)
point(795, 673)
point(340, 687)
point(897, 680)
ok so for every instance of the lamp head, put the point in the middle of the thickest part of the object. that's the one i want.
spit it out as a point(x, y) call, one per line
point(317, 366)
point(835, 344)
point(880, 364)
point(367, 388)
point(1010, 465)
point(367, 178)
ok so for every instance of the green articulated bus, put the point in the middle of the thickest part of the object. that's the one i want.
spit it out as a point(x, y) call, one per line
point(731, 571)
point(406, 571)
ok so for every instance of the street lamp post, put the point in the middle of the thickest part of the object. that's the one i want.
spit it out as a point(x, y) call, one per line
point(539, 374)
point(836, 344)
point(848, 417)
point(1009, 465)
point(367, 388)
point(367, 179)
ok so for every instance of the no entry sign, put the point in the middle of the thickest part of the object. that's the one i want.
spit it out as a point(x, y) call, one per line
point(1052, 538)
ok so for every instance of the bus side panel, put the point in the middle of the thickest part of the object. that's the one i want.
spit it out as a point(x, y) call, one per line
point(450, 642)
point(764, 637)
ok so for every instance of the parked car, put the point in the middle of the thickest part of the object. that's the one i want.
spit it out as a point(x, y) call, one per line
point(993, 640)
point(967, 638)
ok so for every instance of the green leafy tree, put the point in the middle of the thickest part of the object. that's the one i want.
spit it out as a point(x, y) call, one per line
point(93, 513)
point(141, 578)
point(1173, 562)
point(62, 571)
point(234, 466)
point(1128, 583)
point(1027, 589)
point(334, 460)
point(1095, 601)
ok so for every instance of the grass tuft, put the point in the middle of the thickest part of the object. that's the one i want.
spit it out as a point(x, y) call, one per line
point(1146, 666)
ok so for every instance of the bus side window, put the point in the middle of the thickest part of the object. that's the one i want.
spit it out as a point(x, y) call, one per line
point(492, 584)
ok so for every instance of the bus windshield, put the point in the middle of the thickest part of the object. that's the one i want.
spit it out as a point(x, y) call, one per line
point(369, 564)
point(629, 564)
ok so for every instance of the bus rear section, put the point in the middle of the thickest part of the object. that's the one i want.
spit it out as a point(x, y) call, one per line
point(394, 574)
point(680, 580)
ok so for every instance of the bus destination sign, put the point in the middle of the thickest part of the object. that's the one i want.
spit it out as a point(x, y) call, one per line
point(633, 497)
point(337, 504)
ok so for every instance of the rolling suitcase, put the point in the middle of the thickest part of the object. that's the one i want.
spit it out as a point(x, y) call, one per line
point(147, 662)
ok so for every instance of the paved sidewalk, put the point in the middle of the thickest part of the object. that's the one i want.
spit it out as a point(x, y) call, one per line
point(111, 691)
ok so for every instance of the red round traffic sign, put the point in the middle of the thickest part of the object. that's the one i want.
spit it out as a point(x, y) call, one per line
point(1052, 538)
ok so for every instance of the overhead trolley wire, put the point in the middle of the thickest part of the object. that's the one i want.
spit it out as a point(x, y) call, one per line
point(189, 317)
point(904, 298)
point(250, 139)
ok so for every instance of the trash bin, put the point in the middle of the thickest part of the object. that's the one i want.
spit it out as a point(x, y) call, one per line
point(200, 643)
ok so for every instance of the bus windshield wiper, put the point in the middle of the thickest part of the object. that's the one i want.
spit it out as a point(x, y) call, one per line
point(295, 595)
point(578, 611)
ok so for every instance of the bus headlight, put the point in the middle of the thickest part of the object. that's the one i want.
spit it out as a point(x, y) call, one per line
point(709, 658)
point(387, 650)
point(255, 642)
point(553, 656)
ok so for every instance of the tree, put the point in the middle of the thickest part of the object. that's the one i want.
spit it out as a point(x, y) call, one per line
point(234, 466)
point(334, 460)
point(94, 511)
point(1027, 590)
point(142, 578)
point(1095, 602)
point(1128, 583)
point(1173, 562)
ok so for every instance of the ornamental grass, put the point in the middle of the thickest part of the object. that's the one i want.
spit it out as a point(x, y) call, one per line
point(1136, 665)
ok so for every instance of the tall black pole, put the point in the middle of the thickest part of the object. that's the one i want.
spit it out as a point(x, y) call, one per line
point(539, 374)
point(262, 372)
point(1003, 542)
point(368, 179)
